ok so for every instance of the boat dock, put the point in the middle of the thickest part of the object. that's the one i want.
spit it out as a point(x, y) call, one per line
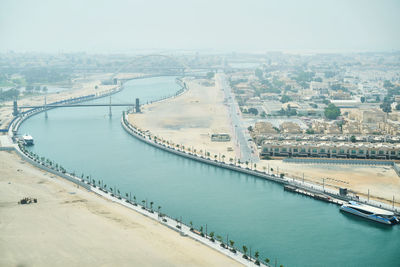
point(315, 195)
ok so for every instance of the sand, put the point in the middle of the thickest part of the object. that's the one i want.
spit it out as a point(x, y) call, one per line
point(190, 119)
point(80, 87)
point(70, 226)
point(382, 181)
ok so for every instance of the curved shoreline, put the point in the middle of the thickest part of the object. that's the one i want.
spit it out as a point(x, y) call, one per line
point(164, 219)
point(305, 186)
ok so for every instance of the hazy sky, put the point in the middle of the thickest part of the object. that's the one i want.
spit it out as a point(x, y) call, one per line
point(252, 25)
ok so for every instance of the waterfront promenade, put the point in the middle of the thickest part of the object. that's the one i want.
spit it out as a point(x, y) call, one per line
point(147, 137)
point(229, 202)
point(72, 225)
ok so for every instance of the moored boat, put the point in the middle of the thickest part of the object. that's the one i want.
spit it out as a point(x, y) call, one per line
point(28, 140)
point(370, 212)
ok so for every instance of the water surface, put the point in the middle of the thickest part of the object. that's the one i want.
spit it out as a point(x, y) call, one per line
point(294, 229)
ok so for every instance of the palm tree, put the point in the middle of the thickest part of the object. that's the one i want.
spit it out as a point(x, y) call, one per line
point(230, 160)
point(244, 251)
point(212, 236)
point(231, 242)
point(143, 202)
point(215, 157)
point(223, 158)
point(134, 200)
point(191, 225)
point(264, 168)
point(247, 164)
point(158, 210)
point(267, 260)
point(151, 205)
point(256, 255)
point(219, 238)
point(126, 195)
point(255, 166)
point(239, 161)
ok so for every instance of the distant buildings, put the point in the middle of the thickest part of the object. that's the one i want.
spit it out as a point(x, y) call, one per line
point(330, 149)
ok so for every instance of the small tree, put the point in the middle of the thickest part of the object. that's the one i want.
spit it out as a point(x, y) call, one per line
point(256, 255)
point(212, 236)
point(244, 251)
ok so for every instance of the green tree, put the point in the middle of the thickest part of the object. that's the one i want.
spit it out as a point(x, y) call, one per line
point(210, 75)
point(362, 99)
point(212, 236)
point(256, 255)
point(353, 139)
point(285, 99)
point(386, 107)
point(253, 111)
point(332, 112)
point(244, 251)
point(259, 74)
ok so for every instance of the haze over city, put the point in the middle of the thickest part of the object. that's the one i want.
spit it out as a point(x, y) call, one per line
point(200, 133)
point(224, 25)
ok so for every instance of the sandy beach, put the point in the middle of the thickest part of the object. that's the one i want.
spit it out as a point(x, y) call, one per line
point(70, 226)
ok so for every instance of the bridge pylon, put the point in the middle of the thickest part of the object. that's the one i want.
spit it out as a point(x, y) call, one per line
point(15, 108)
point(45, 108)
point(109, 110)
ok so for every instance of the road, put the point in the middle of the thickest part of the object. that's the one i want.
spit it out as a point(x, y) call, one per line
point(240, 133)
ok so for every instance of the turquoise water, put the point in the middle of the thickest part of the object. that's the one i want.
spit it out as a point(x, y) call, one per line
point(295, 230)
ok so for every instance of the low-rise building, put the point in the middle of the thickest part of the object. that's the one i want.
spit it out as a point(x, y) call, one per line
point(330, 149)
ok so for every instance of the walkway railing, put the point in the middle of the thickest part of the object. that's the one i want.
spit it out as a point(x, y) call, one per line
point(281, 180)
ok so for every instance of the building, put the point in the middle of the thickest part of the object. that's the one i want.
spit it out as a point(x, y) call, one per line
point(330, 150)
point(221, 137)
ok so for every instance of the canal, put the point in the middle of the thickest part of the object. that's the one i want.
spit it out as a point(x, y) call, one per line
point(294, 229)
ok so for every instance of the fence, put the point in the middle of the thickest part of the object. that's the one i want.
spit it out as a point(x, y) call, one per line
point(340, 161)
point(392, 163)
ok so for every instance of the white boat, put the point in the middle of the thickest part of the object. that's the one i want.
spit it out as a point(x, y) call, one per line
point(369, 212)
point(28, 140)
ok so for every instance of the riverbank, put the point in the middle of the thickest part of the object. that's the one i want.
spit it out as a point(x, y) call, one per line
point(164, 246)
point(187, 121)
point(190, 119)
point(85, 85)
point(85, 229)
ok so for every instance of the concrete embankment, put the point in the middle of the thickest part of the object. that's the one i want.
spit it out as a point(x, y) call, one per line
point(314, 189)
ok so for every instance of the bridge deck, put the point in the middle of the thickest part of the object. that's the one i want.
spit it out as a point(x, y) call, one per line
point(80, 105)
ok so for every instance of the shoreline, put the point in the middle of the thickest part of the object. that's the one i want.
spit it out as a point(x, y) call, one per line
point(170, 223)
point(87, 229)
point(145, 136)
